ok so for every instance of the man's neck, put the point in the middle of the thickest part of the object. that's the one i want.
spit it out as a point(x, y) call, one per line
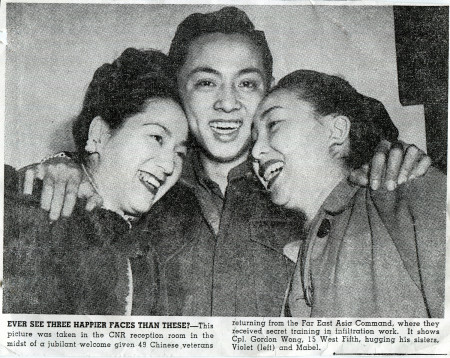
point(218, 171)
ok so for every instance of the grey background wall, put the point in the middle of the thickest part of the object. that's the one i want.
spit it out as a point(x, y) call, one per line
point(54, 49)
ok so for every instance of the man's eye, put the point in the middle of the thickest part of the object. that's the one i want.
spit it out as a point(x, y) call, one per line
point(204, 83)
point(249, 85)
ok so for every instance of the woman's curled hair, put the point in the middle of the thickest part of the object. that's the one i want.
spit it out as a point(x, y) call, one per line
point(370, 122)
point(120, 90)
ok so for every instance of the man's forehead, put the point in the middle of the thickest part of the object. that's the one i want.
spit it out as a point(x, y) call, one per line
point(219, 50)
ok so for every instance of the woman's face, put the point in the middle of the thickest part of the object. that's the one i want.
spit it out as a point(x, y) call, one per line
point(140, 161)
point(291, 148)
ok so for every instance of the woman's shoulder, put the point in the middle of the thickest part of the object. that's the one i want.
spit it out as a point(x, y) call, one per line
point(429, 189)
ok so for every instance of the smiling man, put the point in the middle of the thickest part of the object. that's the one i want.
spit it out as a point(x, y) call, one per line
point(227, 257)
point(228, 260)
point(219, 239)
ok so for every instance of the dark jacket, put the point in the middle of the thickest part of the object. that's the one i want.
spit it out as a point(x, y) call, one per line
point(77, 265)
point(241, 270)
point(375, 254)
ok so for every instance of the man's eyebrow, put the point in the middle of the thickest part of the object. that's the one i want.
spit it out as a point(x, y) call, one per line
point(267, 111)
point(251, 70)
point(159, 125)
point(204, 69)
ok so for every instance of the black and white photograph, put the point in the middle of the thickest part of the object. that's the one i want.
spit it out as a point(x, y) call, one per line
point(233, 160)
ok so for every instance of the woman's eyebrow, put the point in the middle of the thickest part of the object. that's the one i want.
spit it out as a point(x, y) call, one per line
point(267, 111)
point(159, 125)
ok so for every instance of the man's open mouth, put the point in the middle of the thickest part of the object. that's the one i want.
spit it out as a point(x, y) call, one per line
point(270, 171)
point(151, 182)
point(223, 127)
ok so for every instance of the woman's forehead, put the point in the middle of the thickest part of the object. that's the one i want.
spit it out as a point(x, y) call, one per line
point(164, 112)
point(279, 99)
point(282, 101)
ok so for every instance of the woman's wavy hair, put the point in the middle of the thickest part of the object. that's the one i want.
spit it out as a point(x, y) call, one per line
point(121, 89)
point(370, 122)
point(228, 20)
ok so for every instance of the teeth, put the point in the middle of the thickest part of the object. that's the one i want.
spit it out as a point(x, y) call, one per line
point(149, 178)
point(225, 125)
point(272, 171)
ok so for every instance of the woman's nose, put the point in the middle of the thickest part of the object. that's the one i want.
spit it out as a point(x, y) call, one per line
point(167, 162)
point(259, 148)
point(227, 100)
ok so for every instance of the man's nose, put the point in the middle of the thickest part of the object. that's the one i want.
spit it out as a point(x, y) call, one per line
point(227, 99)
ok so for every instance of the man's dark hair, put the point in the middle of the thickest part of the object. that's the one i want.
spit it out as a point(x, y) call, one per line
point(370, 122)
point(228, 20)
point(121, 89)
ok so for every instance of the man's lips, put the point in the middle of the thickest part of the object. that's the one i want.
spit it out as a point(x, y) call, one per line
point(150, 181)
point(225, 127)
point(270, 171)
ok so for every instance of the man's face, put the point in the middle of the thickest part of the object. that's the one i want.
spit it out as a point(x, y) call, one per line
point(221, 84)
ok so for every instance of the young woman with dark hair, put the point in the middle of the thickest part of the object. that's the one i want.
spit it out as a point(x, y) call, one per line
point(367, 253)
point(130, 138)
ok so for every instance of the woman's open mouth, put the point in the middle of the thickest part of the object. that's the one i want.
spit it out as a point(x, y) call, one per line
point(270, 171)
point(151, 182)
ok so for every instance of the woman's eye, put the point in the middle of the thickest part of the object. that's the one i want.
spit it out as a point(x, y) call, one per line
point(157, 138)
point(181, 152)
point(273, 125)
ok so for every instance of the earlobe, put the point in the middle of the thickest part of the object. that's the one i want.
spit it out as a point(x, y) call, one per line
point(98, 132)
point(339, 127)
point(272, 82)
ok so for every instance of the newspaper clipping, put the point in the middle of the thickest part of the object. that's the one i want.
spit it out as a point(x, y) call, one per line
point(241, 178)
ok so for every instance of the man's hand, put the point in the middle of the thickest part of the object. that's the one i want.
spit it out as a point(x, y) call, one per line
point(62, 182)
point(391, 166)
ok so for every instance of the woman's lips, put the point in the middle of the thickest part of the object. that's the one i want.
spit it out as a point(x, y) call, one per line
point(151, 182)
point(270, 171)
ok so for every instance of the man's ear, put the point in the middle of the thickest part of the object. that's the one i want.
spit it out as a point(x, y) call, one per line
point(339, 141)
point(99, 132)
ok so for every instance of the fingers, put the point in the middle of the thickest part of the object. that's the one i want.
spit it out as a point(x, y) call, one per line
point(60, 187)
point(47, 193)
point(393, 166)
point(422, 167)
point(408, 163)
point(70, 198)
point(360, 176)
point(378, 164)
point(57, 200)
point(93, 199)
point(28, 182)
point(93, 202)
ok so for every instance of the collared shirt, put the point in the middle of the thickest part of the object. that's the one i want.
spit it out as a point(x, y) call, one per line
point(222, 255)
point(208, 192)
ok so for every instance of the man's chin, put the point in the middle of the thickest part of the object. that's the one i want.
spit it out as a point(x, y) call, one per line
point(227, 156)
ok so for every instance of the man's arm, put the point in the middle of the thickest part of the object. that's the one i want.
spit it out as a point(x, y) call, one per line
point(63, 181)
point(392, 165)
